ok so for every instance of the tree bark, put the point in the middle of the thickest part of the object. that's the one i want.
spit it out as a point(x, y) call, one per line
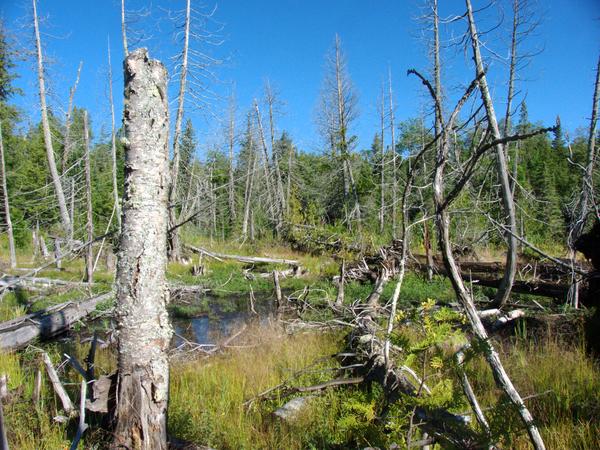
point(89, 251)
point(504, 290)
point(143, 324)
point(60, 196)
point(9, 228)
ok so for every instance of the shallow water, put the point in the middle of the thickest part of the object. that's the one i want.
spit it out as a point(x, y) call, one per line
point(224, 316)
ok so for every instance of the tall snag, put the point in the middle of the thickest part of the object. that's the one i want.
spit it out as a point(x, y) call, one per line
point(508, 203)
point(9, 228)
point(143, 325)
point(60, 196)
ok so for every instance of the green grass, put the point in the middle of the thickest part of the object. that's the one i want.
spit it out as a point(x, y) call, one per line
point(564, 382)
point(207, 394)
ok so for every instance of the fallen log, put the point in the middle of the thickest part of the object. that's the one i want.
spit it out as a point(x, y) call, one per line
point(244, 259)
point(57, 385)
point(19, 332)
point(24, 282)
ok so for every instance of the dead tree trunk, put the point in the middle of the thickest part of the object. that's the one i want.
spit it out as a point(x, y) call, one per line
point(124, 29)
point(587, 188)
point(249, 184)
point(394, 158)
point(9, 228)
point(289, 179)
point(68, 123)
point(89, 251)
point(142, 294)
point(272, 196)
point(231, 183)
point(60, 196)
point(503, 293)
point(270, 98)
point(382, 177)
point(113, 145)
point(511, 86)
point(443, 224)
point(173, 237)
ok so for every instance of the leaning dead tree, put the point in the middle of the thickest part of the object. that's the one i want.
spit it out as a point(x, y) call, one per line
point(60, 196)
point(442, 203)
point(443, 197)
point(503, 293)
point(143, 324)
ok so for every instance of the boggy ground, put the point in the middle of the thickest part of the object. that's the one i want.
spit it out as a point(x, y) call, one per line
point(551, 369)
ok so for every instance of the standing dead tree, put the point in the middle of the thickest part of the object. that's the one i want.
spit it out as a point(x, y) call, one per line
point(586, 202)
point(443, 198)
point(193, 67)
point(249, 187)
point(60, 196)
point(144, 329)
point(231, 145)
point(508, 203)
point(394, 156)
point(89, 251)
point(523, 25)
point(7, 219)
point(382, 157)
point(338, 111)
point(113, 143)
point(272, 101)
point(67, 142)
point(273, 202)
point(174, 246)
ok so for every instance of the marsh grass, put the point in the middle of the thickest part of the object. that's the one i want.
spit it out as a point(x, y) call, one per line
point(207, 393)
point(563, 383)
point(207, 396)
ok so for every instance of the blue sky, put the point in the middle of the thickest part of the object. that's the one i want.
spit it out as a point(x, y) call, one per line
point(287, 41)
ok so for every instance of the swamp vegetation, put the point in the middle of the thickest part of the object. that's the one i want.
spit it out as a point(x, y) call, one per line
point(215, 397)
point(436, 290)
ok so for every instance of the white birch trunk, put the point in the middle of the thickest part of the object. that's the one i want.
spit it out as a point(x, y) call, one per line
point(144, 329)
